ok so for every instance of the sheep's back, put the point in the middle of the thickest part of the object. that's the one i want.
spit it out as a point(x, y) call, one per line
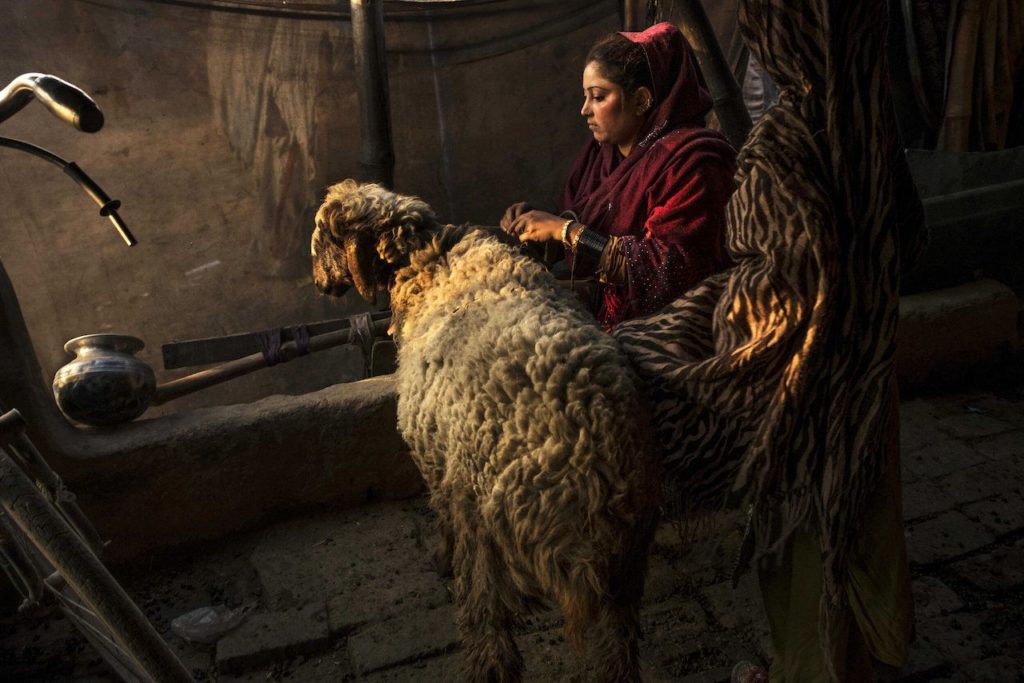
point(508, 387)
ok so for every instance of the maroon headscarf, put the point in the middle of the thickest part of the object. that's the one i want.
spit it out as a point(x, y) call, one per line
point(667, 198)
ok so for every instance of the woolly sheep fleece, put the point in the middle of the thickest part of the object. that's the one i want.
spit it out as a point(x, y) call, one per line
point(523, 418)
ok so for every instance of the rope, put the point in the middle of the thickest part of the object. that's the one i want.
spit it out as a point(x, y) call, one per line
point(300, 335)
point(270, 342)
point(270, 345)
point(360, 333)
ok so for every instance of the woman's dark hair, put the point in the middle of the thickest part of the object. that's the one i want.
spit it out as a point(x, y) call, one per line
point(622, 62)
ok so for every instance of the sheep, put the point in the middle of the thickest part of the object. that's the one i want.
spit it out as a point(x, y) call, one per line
point(523, 418)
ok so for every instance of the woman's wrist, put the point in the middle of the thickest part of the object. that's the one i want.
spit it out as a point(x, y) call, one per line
point(589, 240)
point(587, 247)
point(575, 237)
point(565, 236)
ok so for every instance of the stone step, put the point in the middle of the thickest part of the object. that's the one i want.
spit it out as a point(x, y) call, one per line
point(947, 333)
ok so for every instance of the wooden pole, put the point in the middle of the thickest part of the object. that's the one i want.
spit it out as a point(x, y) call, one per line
point(203, 379)
point(729, 106)
point(634, 15)
point(377, 154)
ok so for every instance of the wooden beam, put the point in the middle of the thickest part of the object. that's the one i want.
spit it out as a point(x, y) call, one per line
point(377, 156)
point(190, 352)
point(634, 15)
point(729, 106)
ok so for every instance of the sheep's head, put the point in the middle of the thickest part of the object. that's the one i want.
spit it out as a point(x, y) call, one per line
point(363, 234)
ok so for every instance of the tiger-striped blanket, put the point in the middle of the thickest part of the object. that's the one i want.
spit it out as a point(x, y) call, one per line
point(772, 379)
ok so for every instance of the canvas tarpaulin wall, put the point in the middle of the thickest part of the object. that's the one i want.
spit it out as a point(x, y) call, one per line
point(985, 82)
point(283, 90)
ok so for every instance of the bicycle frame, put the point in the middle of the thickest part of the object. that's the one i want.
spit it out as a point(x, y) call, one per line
point(104, 610)
point(47, 545)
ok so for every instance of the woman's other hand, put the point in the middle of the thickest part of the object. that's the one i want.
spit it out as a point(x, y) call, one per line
point(538, 226)
point(511, 214)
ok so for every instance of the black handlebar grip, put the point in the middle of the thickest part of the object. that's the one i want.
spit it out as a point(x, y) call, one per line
point(68, 102)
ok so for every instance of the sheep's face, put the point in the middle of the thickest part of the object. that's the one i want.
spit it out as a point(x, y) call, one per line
point(330, 272)
point(363, 233)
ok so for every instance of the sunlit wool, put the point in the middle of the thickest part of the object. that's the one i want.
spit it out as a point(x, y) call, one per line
point(522, 416)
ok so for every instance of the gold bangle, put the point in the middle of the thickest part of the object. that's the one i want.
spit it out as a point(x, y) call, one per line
point(565, 232)
point(576, 237)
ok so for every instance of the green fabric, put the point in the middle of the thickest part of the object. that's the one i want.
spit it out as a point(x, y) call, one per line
point(876, 625)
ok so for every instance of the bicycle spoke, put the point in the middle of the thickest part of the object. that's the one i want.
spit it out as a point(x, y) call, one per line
point(86, 619)
point(14, 574)
point(18, 564)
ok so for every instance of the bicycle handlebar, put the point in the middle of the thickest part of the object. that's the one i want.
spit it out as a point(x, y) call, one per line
point(71, 105)
point(66, 101)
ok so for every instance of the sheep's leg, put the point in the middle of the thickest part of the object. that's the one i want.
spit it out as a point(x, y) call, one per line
point(617, 633)
point(444, 548)
point(485, 618)
point(618, 627)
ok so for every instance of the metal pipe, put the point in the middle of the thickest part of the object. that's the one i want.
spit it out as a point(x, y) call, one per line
point(377, 155)
point(728, 97)
point(634, 15)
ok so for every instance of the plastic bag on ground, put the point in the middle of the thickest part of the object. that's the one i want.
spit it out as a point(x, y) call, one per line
point(207, 624)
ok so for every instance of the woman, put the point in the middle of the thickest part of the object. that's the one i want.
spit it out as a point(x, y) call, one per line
point(772, 382)
point(643, 206)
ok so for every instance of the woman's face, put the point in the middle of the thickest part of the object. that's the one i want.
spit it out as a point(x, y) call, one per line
point(612, 116)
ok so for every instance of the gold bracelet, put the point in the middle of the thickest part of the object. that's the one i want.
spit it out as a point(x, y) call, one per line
point(576, 237)
point(565, 232)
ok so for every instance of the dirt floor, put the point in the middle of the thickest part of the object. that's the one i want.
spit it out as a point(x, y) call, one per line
point(354, 595)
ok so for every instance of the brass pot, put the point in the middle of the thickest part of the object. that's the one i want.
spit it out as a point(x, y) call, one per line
point(105, 384)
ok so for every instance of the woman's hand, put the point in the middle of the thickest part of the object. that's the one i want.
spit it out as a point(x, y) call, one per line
point(538, 226)
point(511, 214)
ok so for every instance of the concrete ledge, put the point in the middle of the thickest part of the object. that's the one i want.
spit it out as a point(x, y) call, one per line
point(946, 334)
point(200, 475)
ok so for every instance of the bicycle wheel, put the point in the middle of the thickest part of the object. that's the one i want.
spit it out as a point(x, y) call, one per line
point(20, 563)
point(147, 656)
point(96, 632)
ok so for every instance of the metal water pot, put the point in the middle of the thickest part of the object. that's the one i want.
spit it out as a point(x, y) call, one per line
point(105, 384)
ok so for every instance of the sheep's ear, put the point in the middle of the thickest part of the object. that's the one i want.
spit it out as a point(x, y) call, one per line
point(405, 233)
point(360, 256)
point(394, 244)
